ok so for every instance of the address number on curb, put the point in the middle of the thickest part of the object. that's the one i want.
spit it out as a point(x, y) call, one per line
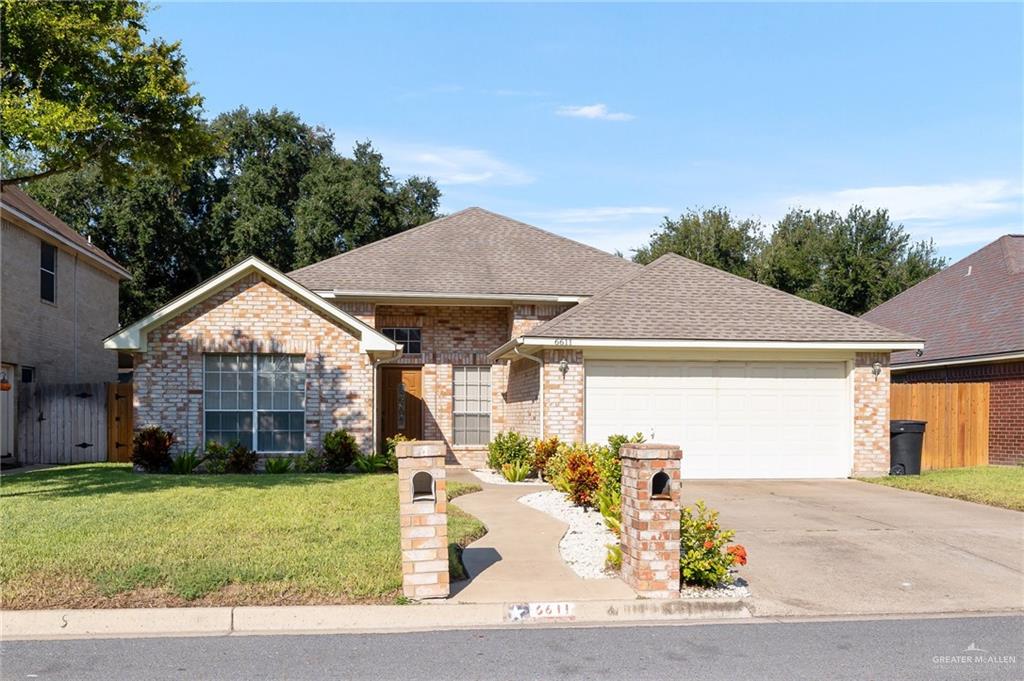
point(526, 612)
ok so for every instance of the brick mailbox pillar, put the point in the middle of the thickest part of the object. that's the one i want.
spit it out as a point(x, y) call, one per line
point(423, 510)
point(650, 519)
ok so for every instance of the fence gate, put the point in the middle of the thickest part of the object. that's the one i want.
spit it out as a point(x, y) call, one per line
point(62, 423)
point(119, 422)
point(957, 414)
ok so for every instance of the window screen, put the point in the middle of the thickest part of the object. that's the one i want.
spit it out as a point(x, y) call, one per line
point(408, 337)
point(472, 405)
point(48, 272)
point(258, 400)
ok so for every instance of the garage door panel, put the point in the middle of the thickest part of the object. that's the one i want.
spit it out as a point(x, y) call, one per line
point(732, 419)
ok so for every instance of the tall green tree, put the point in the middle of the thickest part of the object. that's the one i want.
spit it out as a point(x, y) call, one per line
point(79, 85)
point(711, 236)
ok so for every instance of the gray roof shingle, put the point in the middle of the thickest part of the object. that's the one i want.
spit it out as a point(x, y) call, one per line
point(675, 298)
point(974, 307)
point(470, 252)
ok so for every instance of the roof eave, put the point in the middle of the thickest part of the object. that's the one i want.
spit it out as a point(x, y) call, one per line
point(429, 296)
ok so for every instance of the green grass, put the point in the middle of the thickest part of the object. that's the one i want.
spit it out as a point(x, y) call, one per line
point(993, 485)
point(99, 535)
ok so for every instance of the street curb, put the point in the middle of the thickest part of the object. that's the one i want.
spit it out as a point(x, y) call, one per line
point(260, 620)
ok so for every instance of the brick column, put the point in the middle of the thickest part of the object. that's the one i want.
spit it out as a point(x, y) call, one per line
point(650, 519)
point(871, 414)
point(423, 510)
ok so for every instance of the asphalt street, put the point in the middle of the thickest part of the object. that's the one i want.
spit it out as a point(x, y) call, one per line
point(943, 648)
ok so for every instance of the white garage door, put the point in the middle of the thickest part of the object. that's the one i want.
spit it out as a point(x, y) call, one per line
point(731, 419)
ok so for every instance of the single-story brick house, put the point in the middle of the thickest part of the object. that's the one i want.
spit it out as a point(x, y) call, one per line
point(971, 316)
point(476, 323)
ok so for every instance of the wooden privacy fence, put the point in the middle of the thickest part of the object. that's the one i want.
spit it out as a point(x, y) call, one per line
point(74, 423)
point(957, 414)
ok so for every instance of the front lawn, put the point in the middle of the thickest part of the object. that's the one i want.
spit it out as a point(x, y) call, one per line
point(98, 535)
point(993, 485)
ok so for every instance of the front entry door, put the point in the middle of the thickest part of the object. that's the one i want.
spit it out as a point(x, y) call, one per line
point(401, 401)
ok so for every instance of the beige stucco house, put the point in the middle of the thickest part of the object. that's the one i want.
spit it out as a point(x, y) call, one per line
point(58, 301)
point(476, 323)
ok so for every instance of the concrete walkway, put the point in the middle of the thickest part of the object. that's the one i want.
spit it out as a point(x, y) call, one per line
point(517, 560)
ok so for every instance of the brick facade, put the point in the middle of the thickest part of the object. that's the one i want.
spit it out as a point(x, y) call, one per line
point(1006, 402)
point(870, 414)
point(253, 315)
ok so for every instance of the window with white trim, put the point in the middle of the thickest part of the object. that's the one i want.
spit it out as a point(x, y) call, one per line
point(257, 400)
point(472, 405)
point(407, 336)
point(47, 272)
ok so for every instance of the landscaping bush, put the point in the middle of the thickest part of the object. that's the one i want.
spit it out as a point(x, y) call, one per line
point(230, 458)
point(704, 557)
point(186, 462)
point(510, 447)
point(615, 442)
point(542, 451)
point(392, 446)
point(277, 465)
point(340, 450)
point(370, 464)
point(151, 449)
point(310, 462)
point(581, 477)
point(516, 472)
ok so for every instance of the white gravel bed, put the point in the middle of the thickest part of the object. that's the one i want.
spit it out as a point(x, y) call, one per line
point(584, 546)
point(496, 478)
point(738, 589)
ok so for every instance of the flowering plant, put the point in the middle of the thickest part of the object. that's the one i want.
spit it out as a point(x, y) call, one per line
point(704, 557)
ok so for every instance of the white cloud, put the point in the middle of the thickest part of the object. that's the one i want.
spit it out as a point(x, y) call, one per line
point(598, 214)
point(937, 202)
point(594, 112)
point(451, 165)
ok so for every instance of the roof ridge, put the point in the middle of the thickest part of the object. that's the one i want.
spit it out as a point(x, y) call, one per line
point(381, 241)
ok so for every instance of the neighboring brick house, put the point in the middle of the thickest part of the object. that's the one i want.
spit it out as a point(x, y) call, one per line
point(475, 323)
point(971, 316)
point(58, 301)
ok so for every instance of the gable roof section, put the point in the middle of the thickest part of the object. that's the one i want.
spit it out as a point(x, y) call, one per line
point(22, 208)
point(677, 299)
point(472, 252)
point(133, 337)
point(973, 308)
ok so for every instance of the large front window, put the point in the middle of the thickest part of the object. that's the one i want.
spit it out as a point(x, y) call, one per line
point(472, 396)
point(258, 400)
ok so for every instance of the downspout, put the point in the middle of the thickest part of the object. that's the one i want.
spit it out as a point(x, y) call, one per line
point(540, 364)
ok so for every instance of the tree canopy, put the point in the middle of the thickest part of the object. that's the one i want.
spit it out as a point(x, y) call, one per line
point(274, 187)
point(79, 85)
point(849, 262)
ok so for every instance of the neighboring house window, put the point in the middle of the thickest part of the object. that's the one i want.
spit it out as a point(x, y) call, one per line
point(48, 272)
point(28, 374)
point(409, 338)
point(472, 402)
point(258, 400)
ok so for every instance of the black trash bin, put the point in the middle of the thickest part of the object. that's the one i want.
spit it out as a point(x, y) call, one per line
point(905, 438)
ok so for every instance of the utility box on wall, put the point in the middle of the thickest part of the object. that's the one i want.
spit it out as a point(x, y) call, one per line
point(423, 509)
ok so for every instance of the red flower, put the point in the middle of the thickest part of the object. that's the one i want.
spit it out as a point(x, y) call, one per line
point(708, 544)
point(738, 553)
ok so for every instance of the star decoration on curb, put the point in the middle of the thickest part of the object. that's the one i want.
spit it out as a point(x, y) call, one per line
point(517, 613)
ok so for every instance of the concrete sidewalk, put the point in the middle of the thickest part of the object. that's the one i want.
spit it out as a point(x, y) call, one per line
point(518, 559)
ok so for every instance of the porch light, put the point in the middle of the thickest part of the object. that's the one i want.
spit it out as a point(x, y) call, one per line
point(563, 367)
point(876, 369)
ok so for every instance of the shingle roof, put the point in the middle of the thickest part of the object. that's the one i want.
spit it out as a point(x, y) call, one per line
point(470, 252)
point(675, 298)
point(972, 308)
point(16, 198)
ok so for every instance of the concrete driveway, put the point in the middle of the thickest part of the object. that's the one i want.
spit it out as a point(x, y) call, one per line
point(845, 547)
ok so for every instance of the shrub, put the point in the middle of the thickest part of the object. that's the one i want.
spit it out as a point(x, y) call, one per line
point(510, 447)
point(516, 472)
point(613, 559)
point(277, 465)
point(542, 451)
point(615, 442)
point(581, 477)
point(371, 463)
point(216, 459)
point(151, 449)
point(233, 457)
point(554, 467)
point(704, 559)
point(391, 453)
point(186, 462)
point(340, 450)
point(310, 462)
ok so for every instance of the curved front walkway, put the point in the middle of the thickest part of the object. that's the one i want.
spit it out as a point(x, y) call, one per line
point(518, 560)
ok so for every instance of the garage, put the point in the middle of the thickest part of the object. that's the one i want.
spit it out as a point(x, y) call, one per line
point(732, 419)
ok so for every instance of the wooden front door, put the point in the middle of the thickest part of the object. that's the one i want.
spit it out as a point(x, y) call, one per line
point(401, 402)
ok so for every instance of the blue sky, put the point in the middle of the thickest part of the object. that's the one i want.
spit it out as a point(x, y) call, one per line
point(595, 120)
